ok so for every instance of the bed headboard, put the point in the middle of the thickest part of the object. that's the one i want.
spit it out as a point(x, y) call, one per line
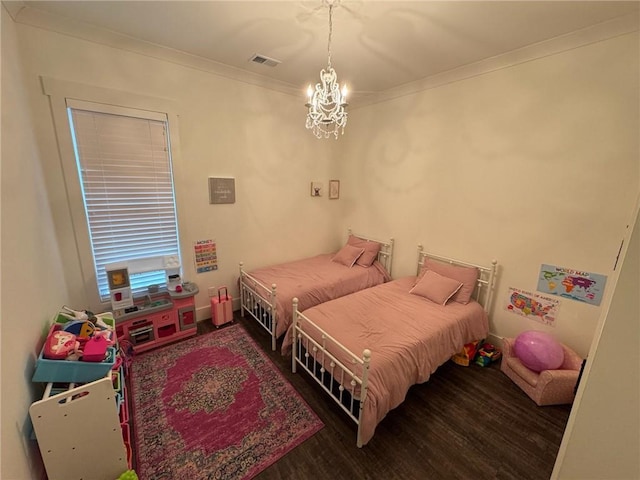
point(483, 292)
point(385, 255)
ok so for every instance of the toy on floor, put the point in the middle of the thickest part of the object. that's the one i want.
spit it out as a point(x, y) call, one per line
point(538, 351)
point(487, 354)
point(466, 355)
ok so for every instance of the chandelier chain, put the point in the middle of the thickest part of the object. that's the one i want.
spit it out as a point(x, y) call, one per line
point(330, 32)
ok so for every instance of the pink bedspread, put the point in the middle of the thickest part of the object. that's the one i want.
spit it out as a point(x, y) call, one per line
point(314, 280)
point(409, 338)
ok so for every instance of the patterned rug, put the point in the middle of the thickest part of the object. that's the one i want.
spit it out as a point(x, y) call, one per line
point(214, 407)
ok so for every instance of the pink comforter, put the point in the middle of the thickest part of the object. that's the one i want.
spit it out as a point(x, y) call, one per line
point(408, 335)
point(314, 280)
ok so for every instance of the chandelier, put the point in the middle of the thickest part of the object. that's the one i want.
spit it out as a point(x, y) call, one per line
point(326, 104)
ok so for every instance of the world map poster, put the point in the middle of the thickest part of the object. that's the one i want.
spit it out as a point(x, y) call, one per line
point(574, 284)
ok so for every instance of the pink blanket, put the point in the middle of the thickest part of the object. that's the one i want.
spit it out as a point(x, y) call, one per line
point(314, 280)
point(409, 338)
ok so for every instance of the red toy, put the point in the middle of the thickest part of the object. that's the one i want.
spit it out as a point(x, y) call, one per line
point(59, 344)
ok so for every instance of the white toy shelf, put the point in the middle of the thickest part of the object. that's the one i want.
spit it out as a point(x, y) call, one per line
point(79, 433)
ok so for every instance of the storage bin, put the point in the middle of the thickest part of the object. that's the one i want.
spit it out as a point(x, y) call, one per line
point(106, 317)
point(69, 371)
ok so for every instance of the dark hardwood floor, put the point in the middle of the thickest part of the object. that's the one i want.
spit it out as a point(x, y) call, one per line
point(464, 423)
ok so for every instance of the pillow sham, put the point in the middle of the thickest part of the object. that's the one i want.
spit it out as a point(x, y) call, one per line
point(371, 250)
point(435, 287)
point(467, 275)
point(348, 255)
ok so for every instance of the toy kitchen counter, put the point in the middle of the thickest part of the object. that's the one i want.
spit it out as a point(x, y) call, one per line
point(159, 318)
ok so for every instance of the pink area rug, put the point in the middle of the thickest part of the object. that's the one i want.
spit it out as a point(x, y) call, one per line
point(214, 406)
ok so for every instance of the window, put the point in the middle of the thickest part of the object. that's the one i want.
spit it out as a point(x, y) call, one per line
point(124, 164)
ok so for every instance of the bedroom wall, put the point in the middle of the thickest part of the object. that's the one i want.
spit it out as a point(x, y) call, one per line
point(227, 128)
point(532, 163)
point(32, 276)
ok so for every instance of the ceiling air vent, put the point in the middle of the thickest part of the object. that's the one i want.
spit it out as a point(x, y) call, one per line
point(271, 62)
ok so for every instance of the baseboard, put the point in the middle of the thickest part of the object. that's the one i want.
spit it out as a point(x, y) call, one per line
point(495, 340)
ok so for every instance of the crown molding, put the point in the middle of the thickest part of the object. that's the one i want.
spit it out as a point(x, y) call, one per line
point(22, 13)
point(14, 8)
point(579, 38)
point(76, 29)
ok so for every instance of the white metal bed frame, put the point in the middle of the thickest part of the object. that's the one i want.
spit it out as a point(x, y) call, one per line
point(259, 300)
point(347, 384)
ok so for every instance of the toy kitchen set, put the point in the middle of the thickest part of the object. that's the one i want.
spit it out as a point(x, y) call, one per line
point(162, 315)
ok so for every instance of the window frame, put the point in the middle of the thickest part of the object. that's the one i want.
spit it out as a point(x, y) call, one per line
point(75, 246)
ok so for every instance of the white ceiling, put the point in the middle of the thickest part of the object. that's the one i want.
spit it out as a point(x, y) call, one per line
point(376, 46)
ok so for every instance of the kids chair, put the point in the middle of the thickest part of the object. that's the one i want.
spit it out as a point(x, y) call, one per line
point(548, 387)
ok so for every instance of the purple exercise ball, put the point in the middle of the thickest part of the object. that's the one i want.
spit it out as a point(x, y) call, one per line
point(538, 351)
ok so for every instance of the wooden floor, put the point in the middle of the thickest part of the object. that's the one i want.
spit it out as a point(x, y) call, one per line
point(464, 423)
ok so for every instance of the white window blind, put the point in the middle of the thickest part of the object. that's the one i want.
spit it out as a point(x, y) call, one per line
point(124, 163)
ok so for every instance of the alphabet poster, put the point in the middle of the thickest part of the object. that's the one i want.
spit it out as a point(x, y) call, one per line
point(205, 255)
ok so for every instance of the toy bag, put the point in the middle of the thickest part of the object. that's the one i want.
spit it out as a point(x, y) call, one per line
point(221, 308)
point(59, 344)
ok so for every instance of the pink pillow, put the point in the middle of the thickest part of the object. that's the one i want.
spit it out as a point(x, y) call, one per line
point(371, 250)
point(348, 255)
point(467, 275)
point(435, 287)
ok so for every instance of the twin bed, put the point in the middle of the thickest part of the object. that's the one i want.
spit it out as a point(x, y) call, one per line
point(367, 347)
point(266, 294)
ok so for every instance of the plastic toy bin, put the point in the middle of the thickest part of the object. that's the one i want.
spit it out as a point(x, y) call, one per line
point(106, 317)
point(69, 371)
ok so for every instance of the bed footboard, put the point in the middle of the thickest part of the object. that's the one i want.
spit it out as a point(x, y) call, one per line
point(259, 301)
point(344, 379)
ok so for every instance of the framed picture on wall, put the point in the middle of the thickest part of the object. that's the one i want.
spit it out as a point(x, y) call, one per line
point(334, 189)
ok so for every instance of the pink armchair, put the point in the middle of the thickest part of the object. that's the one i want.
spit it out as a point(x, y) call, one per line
point(549, 387)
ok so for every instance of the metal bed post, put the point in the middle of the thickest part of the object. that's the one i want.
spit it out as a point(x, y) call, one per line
point(274, 317)
point(389, 256)
point(241, 292)
point(420, 258)
point(294, 332)
point(492, 276)
point(366, 359)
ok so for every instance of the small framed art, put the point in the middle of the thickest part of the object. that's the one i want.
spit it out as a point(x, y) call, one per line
point(316, 189)
point(334, 189)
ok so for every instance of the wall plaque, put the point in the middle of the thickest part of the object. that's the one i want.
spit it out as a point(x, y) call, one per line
point(222, 190)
